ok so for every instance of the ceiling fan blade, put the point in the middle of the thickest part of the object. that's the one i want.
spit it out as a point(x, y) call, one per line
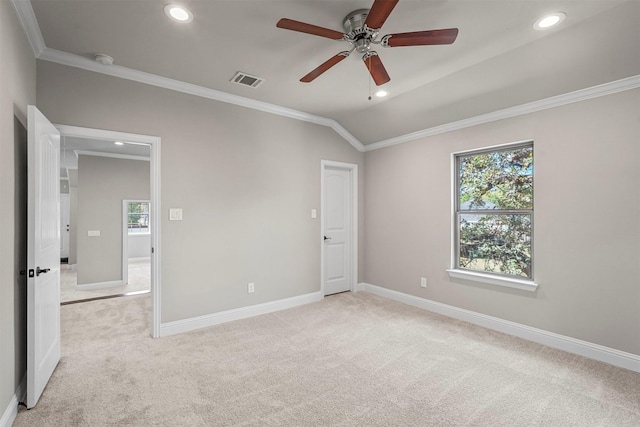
point(302, 27)
point(380, 11)
point(375, 67)
point(420, 38)
point(324, 67)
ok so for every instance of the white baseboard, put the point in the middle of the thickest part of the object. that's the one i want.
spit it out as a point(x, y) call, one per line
point(186, 325)
point(583, 348)
point(99, 285)
point(11, 411)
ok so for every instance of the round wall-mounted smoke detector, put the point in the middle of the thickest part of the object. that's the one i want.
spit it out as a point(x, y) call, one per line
point(103, 59)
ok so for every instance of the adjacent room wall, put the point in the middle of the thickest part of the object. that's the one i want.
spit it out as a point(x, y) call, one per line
point(246, 181)
point(139, 246)
point(586, 228)
point(18, 79)
point(73, 220)
point(103, 183)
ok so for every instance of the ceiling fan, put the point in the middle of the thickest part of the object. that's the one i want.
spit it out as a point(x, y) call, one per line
point(361, 30)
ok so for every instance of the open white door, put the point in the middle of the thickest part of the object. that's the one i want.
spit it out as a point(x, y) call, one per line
point(43, 254)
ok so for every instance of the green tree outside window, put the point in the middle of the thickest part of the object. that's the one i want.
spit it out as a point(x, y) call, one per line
point(138, 217)
point(495, 211)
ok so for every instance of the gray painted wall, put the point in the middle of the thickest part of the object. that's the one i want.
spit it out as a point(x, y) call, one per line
point(103, 183)
point(73, 225)
point(18, 80)
point(587, 232)
point(139, 246)
point(246, 181)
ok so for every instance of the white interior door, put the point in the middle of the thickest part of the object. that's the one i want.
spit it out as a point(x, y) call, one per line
point(43, 254)
point(65, 207)
point(338, 244)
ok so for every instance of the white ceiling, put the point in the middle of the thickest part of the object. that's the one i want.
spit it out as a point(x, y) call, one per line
point(498, 60)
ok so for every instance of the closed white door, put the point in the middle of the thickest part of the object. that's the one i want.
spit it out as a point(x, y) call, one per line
point(43, 254)
point(337, 233)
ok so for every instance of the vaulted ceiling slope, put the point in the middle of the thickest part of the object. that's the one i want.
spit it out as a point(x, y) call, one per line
point(498, 60)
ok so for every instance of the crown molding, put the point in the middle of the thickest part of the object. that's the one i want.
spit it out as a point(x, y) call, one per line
point(72, 60)
point(531, 107)
point(29, 23)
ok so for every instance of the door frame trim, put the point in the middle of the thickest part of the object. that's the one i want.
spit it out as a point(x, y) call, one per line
point(68, 196)
point(352, 168)
point(156, 258)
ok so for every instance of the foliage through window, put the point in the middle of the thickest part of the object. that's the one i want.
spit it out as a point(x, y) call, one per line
point(494, 211)
point(138, 217)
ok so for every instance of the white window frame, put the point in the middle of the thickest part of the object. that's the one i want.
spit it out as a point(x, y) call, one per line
point(145, 233)
point(476, 275)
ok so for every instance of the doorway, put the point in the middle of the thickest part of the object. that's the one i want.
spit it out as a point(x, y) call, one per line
point(136, 245)
point(339, 226)
point(153, 145)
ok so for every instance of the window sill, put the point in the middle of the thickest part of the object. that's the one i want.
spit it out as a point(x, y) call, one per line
point(138, 234)
point(510, 282)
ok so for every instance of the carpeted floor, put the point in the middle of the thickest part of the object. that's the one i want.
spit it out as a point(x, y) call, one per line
point(349, 360)
point(139, 280)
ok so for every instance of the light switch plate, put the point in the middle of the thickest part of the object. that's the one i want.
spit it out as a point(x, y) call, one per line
point(175, 214)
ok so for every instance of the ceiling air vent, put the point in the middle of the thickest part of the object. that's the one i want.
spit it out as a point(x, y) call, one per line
point(245, 79)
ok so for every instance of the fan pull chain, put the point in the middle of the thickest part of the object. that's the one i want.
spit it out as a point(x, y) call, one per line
point(369, 79)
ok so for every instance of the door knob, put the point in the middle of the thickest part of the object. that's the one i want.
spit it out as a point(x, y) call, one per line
point(327, 238)
point(41, 271)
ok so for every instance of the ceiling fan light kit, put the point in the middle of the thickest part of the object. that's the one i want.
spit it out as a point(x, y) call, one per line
point(361, 31)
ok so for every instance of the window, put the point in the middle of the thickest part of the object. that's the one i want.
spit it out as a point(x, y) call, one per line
point(494, 211)
point(138, 217)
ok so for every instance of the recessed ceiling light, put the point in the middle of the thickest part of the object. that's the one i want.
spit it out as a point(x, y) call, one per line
point(119, 143)
point(382, 93)
point(178, 13)
point(549, 21)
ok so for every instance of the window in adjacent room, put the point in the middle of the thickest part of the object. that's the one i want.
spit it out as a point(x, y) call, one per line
point(138, 217)
point(494, 211)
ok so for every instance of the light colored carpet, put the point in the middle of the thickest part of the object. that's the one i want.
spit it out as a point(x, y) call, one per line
point(349, 360)
point(139, 280)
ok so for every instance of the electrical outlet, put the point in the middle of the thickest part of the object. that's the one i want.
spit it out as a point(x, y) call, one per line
point(423, 282)
point(251, 288)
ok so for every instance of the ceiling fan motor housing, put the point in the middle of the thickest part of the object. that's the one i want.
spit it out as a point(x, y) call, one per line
point(356, 32)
